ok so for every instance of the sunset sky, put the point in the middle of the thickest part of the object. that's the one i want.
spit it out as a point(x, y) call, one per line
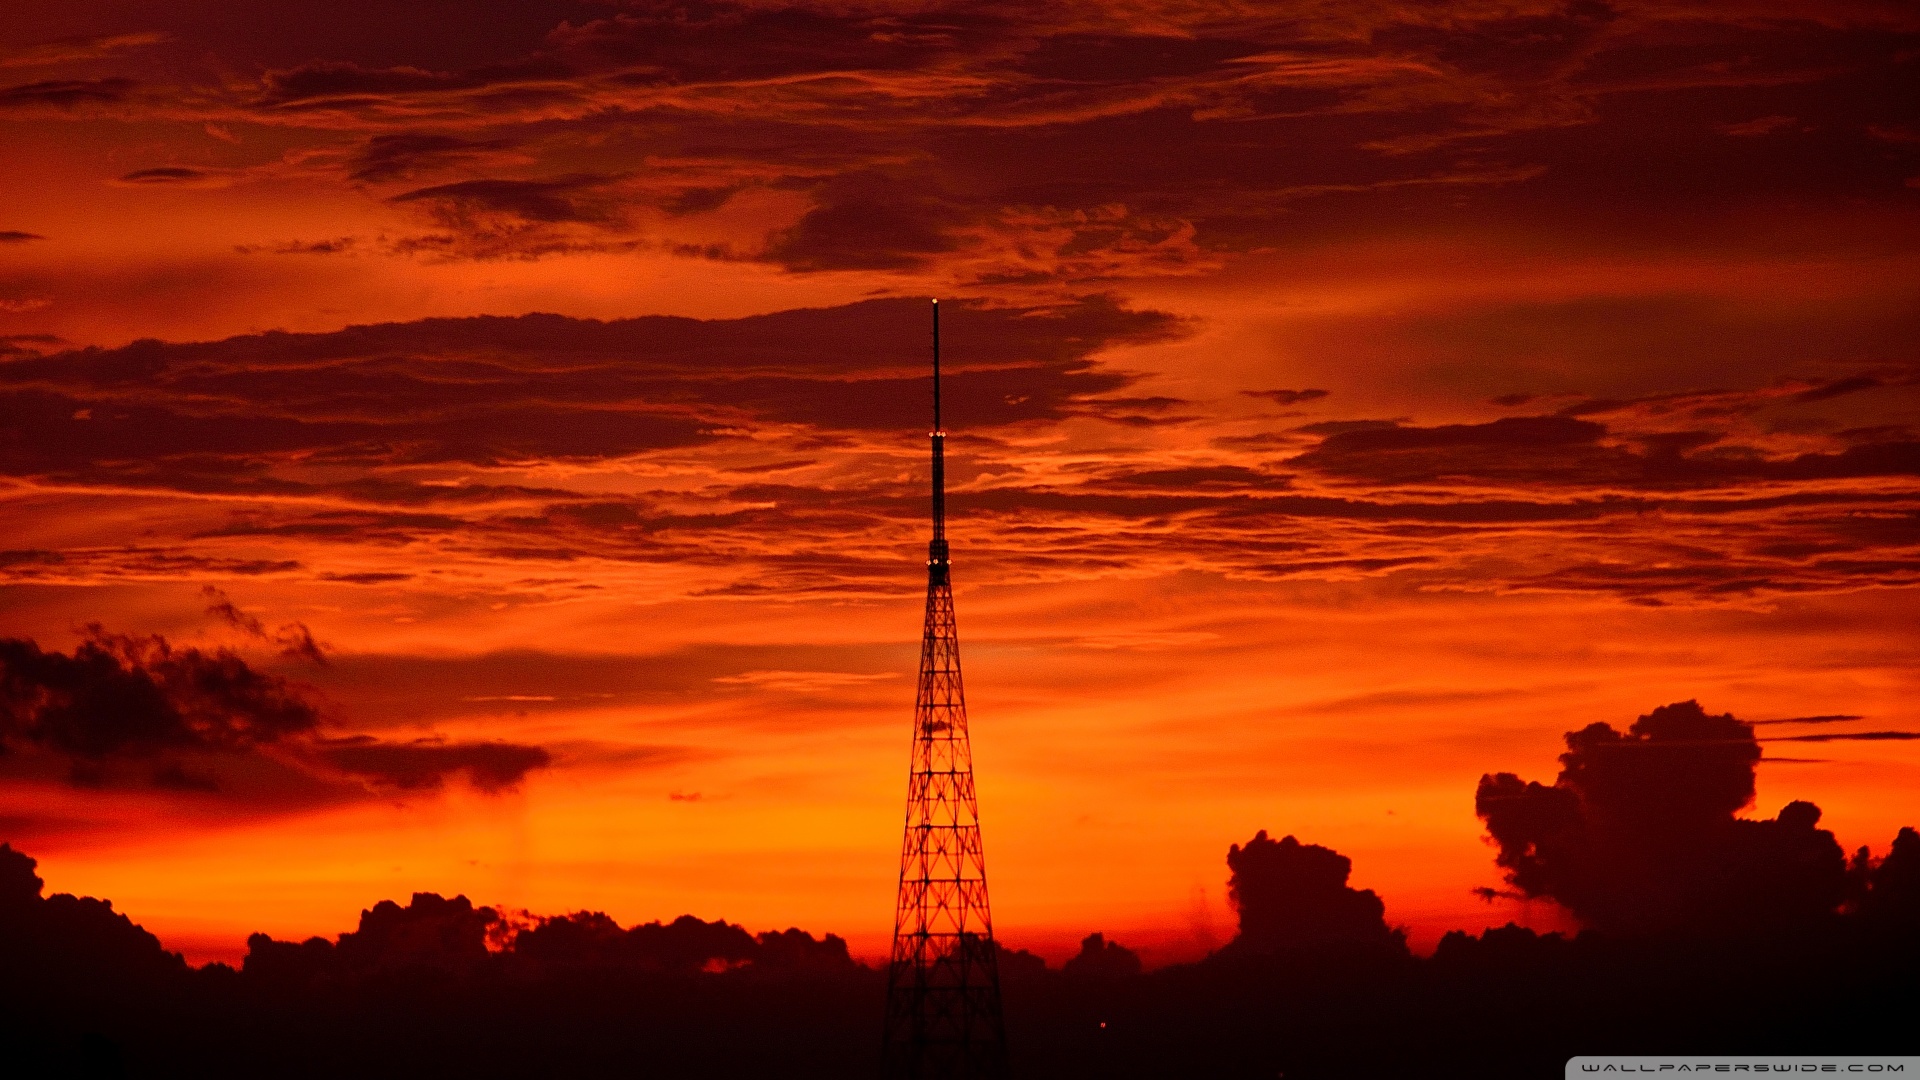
point(1346, 400)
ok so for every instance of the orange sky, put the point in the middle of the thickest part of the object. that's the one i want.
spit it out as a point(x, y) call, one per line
point(1347, 400)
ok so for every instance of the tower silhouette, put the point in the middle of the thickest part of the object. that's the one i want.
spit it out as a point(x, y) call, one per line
point(943, 985)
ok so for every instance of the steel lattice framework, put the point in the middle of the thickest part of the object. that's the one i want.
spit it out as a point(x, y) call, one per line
point(943, 985)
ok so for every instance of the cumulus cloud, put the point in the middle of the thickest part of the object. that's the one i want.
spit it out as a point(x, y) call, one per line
point(1099, 958)
point(1892, 899)
point(1292, 895)
point(1639, 835)
point(65, 945)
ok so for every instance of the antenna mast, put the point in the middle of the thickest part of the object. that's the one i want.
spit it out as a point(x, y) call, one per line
point(943, 982)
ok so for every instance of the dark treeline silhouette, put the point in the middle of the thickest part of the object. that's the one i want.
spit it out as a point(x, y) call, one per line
point(1706, 933)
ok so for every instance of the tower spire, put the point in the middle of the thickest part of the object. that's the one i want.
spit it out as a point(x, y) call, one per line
point(937, 548)
point(943, 982)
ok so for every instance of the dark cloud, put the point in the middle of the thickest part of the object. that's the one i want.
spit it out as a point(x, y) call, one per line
point(168, 174)
point(82, 47)
point(1511, 447)
point(338, 84)
point(566, 198)
point(425, 764)
point(485, 219)
point(335, 246)
point(141, 712)
point(1221, 477)
point(1837, 388)
point(870, 221)
point(294, 639)
point(221, 607)
point(1638, 833)
point(1287, 397)
point(219, 415)
point(1892, 899)
point(19, 345)
point(403, 154)
point(1099, 958)
point(1563, 450)
point(123, 696)
point(1293, 895)
point(66, 93)
point(1843, 736)
point(15, 236)
point(987, 134)
point(61, 944)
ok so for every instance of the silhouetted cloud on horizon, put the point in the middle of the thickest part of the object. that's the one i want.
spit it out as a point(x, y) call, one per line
point(1290, 895)
point(1638, 833)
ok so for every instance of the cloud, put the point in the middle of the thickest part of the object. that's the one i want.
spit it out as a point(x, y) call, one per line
point(400, 155)
point(534, 387)
point(1564, 450)
point(294, 639)
point(168, 174)
point(1638, 833)
point(67, 947)
point(977, 142)
point(124, 696)
point(335, 246)
point(66, 93)
point(1843, 736)
point(347, 84)
point(1286, 397)
point(1293, 895)
point(15, 236)
point(76, 49)
point(1838, 388)
point(483, 437)
point(467, 203)
point(1099, 958)
point(139, 712)
point(425, 764)
point(802, 682)
point(869, 221)
point(1892, 899)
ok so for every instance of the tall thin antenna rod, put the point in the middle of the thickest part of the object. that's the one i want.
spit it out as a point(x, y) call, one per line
point(937, 551)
